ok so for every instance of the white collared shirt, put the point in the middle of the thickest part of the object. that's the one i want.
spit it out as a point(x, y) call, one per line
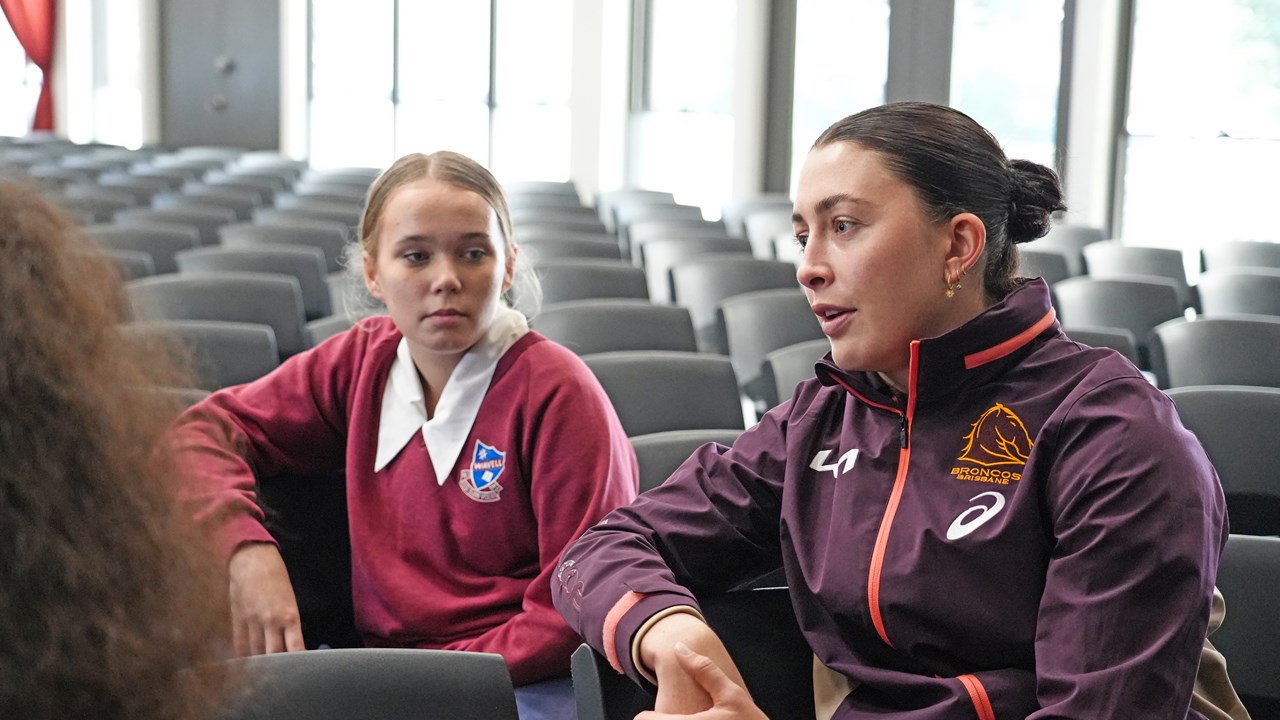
point(404, 411)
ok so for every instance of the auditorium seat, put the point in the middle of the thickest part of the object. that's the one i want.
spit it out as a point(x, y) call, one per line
point(605, 325)
point(660, 453)
point(702, 283)
point(221, 353)
point(306, 264)
point(1223, 350)
point(1254, 291)
point(329, 237)
point(654, 391)
point(1116, 260)
point(1136, 304)
point(160, 242)
point(574, 279)
point(353, 683)
point(787, 367)
point(661, 255)
point(1241, 254)
point(756, 324)
point(206, 220)
point(1070, 240)
point(1237, 424)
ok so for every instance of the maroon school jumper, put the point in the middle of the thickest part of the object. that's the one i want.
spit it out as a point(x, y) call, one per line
point(431, 566)
point(1029, 533)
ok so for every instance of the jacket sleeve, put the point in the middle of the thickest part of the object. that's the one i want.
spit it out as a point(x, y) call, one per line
point(291, 421)
point(713, 525)
point(1138, 525)
point(580, 467)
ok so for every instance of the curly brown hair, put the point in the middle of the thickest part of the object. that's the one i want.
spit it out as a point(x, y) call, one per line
point(108, 595)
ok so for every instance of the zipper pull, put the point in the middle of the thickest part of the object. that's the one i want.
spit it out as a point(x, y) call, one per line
point(903, 432)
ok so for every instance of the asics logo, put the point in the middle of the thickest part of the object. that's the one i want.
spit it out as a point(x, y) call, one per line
point(841, 466)
point(975, 517)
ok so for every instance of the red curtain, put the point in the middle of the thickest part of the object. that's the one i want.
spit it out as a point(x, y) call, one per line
point(32, 23)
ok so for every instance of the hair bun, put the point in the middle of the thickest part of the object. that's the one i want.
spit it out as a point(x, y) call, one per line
point(1034, 194)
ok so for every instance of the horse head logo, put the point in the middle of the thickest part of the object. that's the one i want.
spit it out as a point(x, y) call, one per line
point(997, 438)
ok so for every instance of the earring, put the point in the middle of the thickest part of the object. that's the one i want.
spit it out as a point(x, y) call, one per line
point(952, 287)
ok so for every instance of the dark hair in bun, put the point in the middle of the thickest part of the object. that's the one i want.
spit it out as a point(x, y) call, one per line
point(956, 166)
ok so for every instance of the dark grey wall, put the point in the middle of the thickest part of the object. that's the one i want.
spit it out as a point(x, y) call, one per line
point(220, 73)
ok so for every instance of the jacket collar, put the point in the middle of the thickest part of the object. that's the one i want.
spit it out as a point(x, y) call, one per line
point(981, 349)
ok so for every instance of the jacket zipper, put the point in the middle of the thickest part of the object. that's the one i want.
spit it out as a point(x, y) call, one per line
point(895, 497)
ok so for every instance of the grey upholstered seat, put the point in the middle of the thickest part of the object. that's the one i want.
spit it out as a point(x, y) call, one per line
point(205, 219)
point(307, 264)
point(1249, 578)
point(1116, 260)
point(329, 237)
point(605, 325)
point(660, 256)
point(222, 353)
point(160, 242)
point(346, 684)
point(1052, 265)
point(262, 298)
point(1253, 291)
point(787, 367)
point(654, 391)
point(704, 282)
point(1071, 241)
point(1136, 304)
point(660, 453)
point(1223, 350)
point(1241, 254)
point(579, 279)
point(1237, 426)
point(756, 324)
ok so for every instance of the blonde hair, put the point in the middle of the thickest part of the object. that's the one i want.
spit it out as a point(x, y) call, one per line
point(460, 171)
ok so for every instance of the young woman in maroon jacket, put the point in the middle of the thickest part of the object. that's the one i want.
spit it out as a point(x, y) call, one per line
point(976, 516)
point(475, 450)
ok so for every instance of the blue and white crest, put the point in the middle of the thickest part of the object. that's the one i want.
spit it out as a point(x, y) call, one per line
point(480, 481)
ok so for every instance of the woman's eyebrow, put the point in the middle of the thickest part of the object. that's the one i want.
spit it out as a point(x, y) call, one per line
point(826, 204)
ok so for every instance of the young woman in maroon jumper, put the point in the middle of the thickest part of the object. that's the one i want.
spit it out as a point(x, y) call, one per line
point(474, 448)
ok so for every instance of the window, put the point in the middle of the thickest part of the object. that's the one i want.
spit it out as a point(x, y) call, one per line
point(1006, 59)
point(836, 79)
point(1203, 124)
point(20, 83)
point(682, 137)
point(390, 77)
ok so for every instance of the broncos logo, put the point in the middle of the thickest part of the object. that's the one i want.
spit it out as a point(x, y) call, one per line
point(997, 438)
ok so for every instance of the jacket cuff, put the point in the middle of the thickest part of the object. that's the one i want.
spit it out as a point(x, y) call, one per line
point(633, 610)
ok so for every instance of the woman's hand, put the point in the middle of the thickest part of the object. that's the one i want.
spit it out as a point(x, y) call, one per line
point(679, 692)
point(729, 701)
point(264, 611)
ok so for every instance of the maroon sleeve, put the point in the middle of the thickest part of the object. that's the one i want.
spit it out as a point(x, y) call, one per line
point(292, 421)
point(581, 467)
point(711, 526)
point(1138, 522)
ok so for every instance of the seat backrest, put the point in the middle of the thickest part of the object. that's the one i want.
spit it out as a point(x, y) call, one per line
point(1238, 350)
point(330, 237)
point(326, 327)
point(659, 454)
point(1249, 578)
point(653, 391)
point(564, 280)
point(307, 264)
point(132, 264)
point(660, 256)
point(1238, 290)
point(312, 211)
point(787, 367)
point(541, 187)
point(206, 219)
point(1237, 427)
point(762, 226)
point(734, 213)
point(606, 201)
point(1116, 260)
point(567, 201)
point(606, 325)
point(642, 232)
point(1071, 241)
point(562, 248)
point(542, 222)
point(702, 283)
point(261, 298)
point(1052, 265)
point(1241, 254)
point(160, 242)
point(223, 353)
point(239, 202)
point(760, 632)
point(342, 684)
point(1136, 305)
point(757, 323)
point(1118, 339)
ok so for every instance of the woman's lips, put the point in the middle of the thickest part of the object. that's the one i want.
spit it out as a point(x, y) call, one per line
point(832, 318)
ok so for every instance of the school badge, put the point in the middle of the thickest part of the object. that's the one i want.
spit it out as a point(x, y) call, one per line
point(480, 481)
